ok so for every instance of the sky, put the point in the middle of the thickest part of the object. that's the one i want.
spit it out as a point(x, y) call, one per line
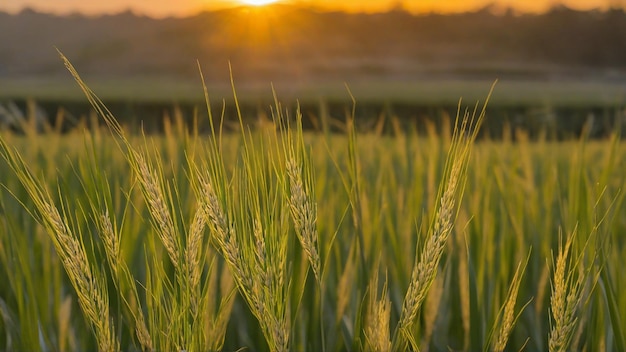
point(162, 8)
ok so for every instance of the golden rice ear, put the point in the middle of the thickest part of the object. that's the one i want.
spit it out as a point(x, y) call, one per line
point(568, 284)
point(377, 326)
point(304, 215)
point(450, 193)
point(507, 316)
point(89, 284)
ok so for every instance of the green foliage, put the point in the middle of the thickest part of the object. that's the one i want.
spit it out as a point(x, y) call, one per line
point(276, 239)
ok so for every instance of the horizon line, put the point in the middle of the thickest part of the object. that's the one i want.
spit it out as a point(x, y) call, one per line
point(498, 9)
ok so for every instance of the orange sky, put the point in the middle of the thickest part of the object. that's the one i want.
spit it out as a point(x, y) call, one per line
point(161, 8)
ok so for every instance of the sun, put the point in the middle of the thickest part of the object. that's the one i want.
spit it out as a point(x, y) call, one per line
point(258, 2)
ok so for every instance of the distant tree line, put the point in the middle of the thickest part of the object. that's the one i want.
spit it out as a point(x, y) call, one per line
point(560, 36)
point(310, 44)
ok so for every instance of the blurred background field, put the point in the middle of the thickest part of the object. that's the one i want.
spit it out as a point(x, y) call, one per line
point(567, 64)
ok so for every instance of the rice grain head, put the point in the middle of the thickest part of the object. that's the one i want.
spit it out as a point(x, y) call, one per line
point(377, 324)
point(304, 215)
point(509, 316)
point(120, 271)
point(155, 197)
point(193, 251)
point(425, 269)
point(450, 192)
point(258, 279)
point(566, 298)
point(91, 290)
point(111, 242)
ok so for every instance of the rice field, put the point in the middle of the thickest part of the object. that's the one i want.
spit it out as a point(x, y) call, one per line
point(274, 239)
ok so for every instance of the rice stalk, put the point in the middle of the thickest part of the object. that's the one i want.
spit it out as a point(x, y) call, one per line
point(154, 194)
point(178, 303)
point(304, 215)
point(111, 242)
point(149, 176)
point(425, 269)
point(507, 316)
point(248, 217)
point(90, 287)
point(193, 256)
point(301, 201)
point(377, 334)
point(223, 234)
point(256, 263)
point(566, 296)
point(121, 274)
point(450, 192)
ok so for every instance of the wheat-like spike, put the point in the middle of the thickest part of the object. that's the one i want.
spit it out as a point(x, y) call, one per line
point(141, 330)
point(263, 270)
point(304, 214)
point(217, 217)
point(377, 324)
point(567, 289)
point(425, 269)
point(91, 292)
point(275, 327)
point(267, 289)
point(90, 289)
point(507, 321)
point(509, 316)
point(257, 273)
point(111, 242)
point(224, 237)
point(280, 332)
point(192, 256)
point(155, 198)
point(380, 338)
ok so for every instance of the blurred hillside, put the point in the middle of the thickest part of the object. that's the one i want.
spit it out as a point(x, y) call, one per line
point(299, 45)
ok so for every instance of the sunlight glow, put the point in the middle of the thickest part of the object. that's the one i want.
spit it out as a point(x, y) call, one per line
point(258, 2)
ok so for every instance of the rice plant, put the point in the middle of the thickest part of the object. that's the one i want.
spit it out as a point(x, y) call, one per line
point(274, 238)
